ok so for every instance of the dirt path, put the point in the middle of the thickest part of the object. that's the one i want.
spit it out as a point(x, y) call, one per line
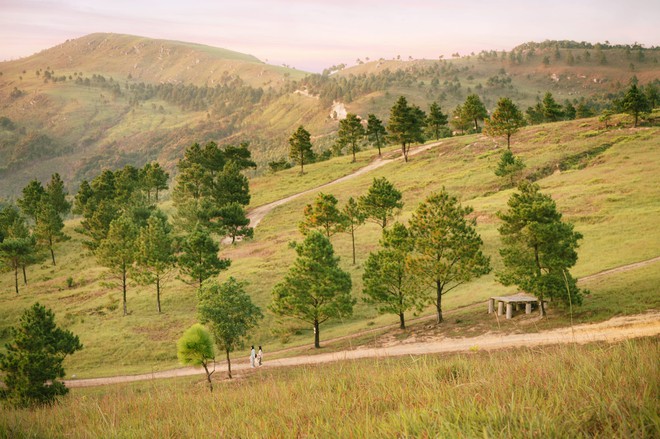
point(258, 213)
point(621, 269)
point(618, 328)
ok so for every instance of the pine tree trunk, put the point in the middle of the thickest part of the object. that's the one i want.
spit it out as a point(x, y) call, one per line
point(123, 285)
point(228, 364)
point(353, 241)
point(508, 141)
point(317, 344)
point(24, 275)
point(402, 322)
point(158, 293)
point(52, 253)
point(16, 278)
point(438, 303)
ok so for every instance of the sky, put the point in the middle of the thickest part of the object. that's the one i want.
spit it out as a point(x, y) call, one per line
point(314, 34)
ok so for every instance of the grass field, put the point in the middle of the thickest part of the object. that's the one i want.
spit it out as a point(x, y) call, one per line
point(595, 390)
point(612, 198)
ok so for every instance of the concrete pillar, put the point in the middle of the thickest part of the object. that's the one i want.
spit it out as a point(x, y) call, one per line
point(500, 308)
point(528, 308)
point(509, 310)
point(491, 306)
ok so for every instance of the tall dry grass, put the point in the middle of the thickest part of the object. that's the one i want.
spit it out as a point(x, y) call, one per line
point(596, 390)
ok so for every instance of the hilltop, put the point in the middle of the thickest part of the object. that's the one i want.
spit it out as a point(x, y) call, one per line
point(107, 100)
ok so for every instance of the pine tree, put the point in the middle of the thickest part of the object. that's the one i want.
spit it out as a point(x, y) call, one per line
point(389, 282)
point(199, 256)
point(474, 110)
point(509, 166)
point(34, 357)
point(376, 132)
point(436, 120)
point(551, 109)
point(154, 253)
point(447, 245)
point(380, 202)
point(117, 252)
point(301, 147)
point(323, 215)
point(406, 125)
point(538, 247)
point(506, 120)
point(195, 348)
point(354, 218)
point(315, 289)
point(635, 103)
point(350, 132)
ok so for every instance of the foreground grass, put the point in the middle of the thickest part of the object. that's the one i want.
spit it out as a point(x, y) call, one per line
point(596, 390)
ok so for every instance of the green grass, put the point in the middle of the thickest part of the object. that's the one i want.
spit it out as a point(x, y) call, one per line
point(595, 390)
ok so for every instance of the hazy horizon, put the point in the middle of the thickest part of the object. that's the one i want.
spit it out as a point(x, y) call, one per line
point(313, 34)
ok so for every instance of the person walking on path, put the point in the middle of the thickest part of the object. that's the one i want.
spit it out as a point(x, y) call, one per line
point(252, 356)
point(260, 356)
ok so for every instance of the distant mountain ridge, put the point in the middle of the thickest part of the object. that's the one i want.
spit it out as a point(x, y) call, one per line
point(107, 100)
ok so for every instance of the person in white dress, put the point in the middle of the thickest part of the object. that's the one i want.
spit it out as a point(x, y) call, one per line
point(252, 356)
point(260, 356)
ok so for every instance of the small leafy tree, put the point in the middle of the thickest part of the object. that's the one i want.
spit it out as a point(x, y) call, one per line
point(380, 202)
point(350, 132)
point(117, 252)
point(154, 253)
point(301, 147)
point(389, 282)
point(376, 132)
point(315, 289)
point(436, 121)
point(538, 247)
point(324, 215)
point(606, 117)
point(199, 256)
point(33, 361)
point(506, 120)
point(195, 348)
point(229, 312)
point(354, 218)
point(474, 110)
point(509, 166)
point(447, 245)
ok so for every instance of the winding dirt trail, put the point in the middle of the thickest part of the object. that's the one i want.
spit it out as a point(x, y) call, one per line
point(615, 329)
point(258, 213)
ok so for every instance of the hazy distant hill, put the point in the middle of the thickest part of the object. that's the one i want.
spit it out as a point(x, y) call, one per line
point(107, 100)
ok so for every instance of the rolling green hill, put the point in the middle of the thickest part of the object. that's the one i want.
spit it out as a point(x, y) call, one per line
point(605, 181)
point(106, 100)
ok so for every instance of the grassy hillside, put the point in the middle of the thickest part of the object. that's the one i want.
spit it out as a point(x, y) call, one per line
point(106, 100)
point(597, 390)
point(611, 195)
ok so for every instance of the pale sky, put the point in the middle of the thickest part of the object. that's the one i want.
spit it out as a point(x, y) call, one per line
point(314, 34)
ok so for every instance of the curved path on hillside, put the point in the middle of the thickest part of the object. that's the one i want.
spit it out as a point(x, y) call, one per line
point(258, 213)
point(618, 328)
